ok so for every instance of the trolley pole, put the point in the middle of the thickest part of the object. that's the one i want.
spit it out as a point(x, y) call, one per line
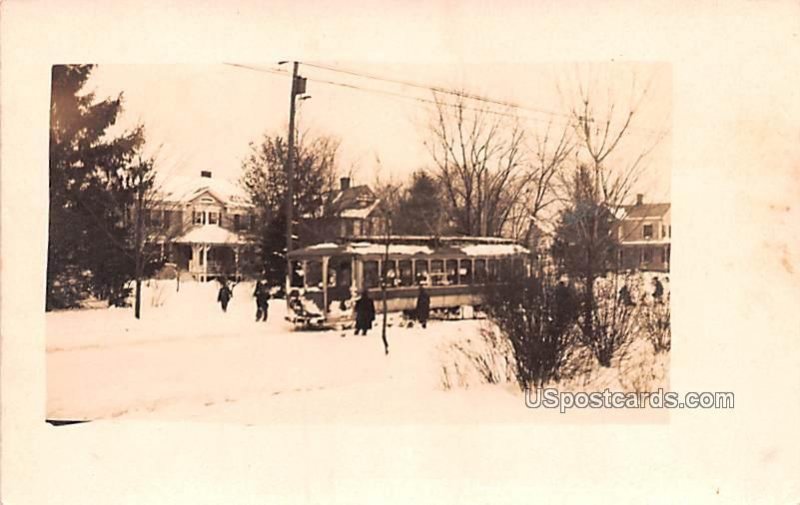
point(385, 280)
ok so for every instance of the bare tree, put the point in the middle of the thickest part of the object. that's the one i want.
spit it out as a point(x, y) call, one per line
point(478, 155)
point(596, 190)
point(545, 161)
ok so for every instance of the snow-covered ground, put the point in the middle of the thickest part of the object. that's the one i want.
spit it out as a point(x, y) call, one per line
point(187, 360)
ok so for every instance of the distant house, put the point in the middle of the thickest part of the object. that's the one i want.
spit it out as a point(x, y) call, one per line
point(206, 226)
point(354, 211)
point(644, 233)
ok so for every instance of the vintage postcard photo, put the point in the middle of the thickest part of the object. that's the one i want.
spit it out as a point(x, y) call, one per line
point(300, 241)
point(399, 252)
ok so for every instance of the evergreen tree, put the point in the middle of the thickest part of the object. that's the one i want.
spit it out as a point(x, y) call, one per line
point(265, 180)
point(421, 210)
point(90, 204)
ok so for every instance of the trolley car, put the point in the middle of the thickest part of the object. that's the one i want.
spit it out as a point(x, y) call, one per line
point(327, 278)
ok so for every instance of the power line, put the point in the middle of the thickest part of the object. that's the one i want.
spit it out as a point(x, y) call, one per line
point(439, 89)
point(393, 94)
point(566, 120)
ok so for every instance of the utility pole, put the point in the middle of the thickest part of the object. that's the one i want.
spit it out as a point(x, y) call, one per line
point(298, 88)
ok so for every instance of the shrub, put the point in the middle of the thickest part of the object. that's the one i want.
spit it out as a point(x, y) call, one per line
point(537, 316)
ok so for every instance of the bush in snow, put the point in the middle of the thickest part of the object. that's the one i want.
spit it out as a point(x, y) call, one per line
point(487, 359)
point(537, 315)
point(613, 314)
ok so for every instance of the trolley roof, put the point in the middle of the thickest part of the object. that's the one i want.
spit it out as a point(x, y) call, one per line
point(414, 246)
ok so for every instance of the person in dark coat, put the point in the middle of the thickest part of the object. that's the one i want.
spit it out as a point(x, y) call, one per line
point(261, 295)
point(365, 313)
point(423, 307)
point(224, 296)
point(658, 290)
point(625, 296)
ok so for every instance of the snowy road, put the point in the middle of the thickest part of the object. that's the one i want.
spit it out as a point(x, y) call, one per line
point(188, 360)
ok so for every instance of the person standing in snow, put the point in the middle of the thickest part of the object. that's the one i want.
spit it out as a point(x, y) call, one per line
point(423, 306)
point(224, 296)
point(658, 290)
point(262, 301)
point(258, 295)
point(365, 313)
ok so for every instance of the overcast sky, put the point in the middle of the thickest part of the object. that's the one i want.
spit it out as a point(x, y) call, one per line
point(202, 117)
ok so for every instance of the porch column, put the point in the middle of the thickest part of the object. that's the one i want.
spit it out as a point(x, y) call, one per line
point(236, 261)
point(194, 261)
point(205, 261)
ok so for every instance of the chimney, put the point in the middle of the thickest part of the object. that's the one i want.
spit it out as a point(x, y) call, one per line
point(205, 173)
point(639, 198)
point(345, 183)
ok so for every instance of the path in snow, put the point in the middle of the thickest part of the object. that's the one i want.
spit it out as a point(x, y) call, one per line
point(187, 360)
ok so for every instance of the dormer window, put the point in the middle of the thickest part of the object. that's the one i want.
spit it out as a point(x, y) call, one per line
point(647, 231)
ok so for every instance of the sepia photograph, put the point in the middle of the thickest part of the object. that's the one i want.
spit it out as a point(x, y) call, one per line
point(298, 241)
point(399, 252)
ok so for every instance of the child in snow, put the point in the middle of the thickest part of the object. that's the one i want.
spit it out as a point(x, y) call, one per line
point(224, 296)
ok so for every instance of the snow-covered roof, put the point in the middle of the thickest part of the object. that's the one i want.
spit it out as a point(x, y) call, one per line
point(645, 211)
point(493, 249)
point(211, 234)
point(498, 247)
point(182, 188)
point(359, 213)
point(661, 241)
point(375, 248)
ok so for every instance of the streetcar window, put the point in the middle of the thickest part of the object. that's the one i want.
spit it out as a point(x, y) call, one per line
point(480, 271)
point(421, 266)
point(314, 274)
point(505, 269)
point(406, 273)
point(452, 272)
point(519, 268)
point(437, 272)
point(492, 270)
point(371, 274)
point(465, 273)
point(390, 272)
point(297, 274)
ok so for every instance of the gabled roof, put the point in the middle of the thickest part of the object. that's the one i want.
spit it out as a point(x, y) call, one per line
point(356, 201)
point(184, 189)
point(644, 210)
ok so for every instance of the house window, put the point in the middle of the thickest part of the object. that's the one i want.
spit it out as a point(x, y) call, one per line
point(647, 231)
point(647, 255)
point(198, 217)
point(213, 218)
point(237, 222)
